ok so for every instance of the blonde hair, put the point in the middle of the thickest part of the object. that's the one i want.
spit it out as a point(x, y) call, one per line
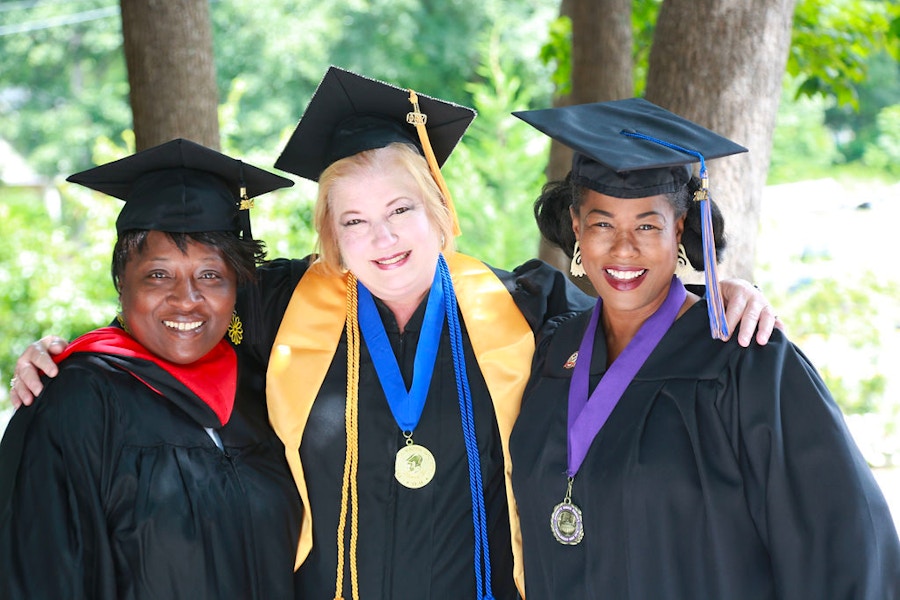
point(395, 156)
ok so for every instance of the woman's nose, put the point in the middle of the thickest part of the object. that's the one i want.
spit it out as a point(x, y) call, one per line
point(185, 293)
point(623, 244)
point(383, 233)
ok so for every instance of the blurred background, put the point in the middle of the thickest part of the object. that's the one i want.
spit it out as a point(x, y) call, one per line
point(824, 224)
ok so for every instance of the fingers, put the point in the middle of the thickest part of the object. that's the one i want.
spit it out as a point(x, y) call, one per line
point(13, 395)
point(737, 295)
point(748, 312)
point(26, 383)
point(767, 322)
point(758, 317)
point(776, 324)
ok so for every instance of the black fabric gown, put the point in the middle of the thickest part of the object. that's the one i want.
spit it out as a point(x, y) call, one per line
point(121, 494)
point(722, 473)
point(413, 544)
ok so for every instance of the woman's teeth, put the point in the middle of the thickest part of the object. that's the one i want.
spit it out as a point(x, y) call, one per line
point(182, 326)
point(393, 260)
point(626, 275)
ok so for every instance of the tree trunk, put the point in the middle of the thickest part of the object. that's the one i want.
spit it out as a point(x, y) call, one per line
point(602, 70)
point(720, 63)
point(171, 71)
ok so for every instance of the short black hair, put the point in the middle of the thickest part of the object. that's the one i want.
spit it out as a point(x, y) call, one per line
point(242, 255)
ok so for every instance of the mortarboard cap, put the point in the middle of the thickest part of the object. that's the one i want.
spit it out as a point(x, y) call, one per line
point(350, 113)
point(181, 187)
point(634, 149)
point(610, 161)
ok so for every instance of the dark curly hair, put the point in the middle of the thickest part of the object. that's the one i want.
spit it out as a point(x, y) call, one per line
point(551, 211)
point(243, 256)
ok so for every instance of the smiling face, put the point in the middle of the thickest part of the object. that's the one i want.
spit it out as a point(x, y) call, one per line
point(629, 249)
point(177, 304)
point(384, 234)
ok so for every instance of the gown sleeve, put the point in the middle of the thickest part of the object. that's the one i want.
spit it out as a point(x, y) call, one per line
point(542, 292)
point(53, 538)
point(276, 281)
point(811, 494)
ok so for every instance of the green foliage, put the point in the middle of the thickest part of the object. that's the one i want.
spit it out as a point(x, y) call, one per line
point(857, 127)
point(55, 248)
point(833, 41)
point(850, 314)
point(61, 86)
point(269, 58)
point(885, 152)
point(643, 18)
point(496, 173)
point(557, 50)
point(802, 147)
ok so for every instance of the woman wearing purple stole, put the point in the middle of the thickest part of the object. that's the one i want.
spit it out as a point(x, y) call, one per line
point(650, 460)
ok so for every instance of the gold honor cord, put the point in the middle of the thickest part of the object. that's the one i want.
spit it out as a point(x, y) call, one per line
point(417, 118)
point(351, 461)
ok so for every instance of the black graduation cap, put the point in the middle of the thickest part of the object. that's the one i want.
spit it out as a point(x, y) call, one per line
point(629, 148)
point(181, 187)
point(634, 149)
point(350, 113)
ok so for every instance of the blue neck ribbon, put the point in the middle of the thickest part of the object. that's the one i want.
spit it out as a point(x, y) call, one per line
point(406, 406)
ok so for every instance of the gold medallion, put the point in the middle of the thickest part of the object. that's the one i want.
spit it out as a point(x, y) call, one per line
point(414, 466)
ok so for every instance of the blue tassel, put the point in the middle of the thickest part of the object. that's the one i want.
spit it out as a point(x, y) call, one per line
point(479, 512)
point(718, 328)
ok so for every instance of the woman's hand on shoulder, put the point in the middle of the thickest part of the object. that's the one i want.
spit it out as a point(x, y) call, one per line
point(37, 358)
point(746, 306)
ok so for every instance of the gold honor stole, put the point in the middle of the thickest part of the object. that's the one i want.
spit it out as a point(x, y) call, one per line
point(308, 337)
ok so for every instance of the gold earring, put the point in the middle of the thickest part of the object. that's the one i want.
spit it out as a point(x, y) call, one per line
point(235, 329)
point(576, 267)
point(121, 319)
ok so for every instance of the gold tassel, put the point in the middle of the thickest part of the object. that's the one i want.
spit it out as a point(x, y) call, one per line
point(349, 487)
point(417, 118)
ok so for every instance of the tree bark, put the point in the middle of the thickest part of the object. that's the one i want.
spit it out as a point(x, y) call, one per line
point(171, 71)
point(720, 63)
point(602, 69)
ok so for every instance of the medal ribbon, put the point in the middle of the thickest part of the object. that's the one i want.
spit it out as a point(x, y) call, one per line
point(587, 414)
point(406, 406)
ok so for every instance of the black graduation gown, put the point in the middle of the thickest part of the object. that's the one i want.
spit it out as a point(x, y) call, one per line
point(416, 544)
point(722, 473)
point(121, 494)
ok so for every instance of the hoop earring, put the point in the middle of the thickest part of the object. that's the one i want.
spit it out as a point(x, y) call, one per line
point(576, 268)
point(235, 329)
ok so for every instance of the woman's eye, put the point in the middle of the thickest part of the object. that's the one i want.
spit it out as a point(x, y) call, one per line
point(401, 209)
point(209, 275)
point(351, 222)
point(156, 275)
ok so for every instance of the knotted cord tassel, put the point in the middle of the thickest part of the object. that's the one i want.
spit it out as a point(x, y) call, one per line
point(349, 489)
point(718, 327)
point(417, 118)
point(481, 549)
